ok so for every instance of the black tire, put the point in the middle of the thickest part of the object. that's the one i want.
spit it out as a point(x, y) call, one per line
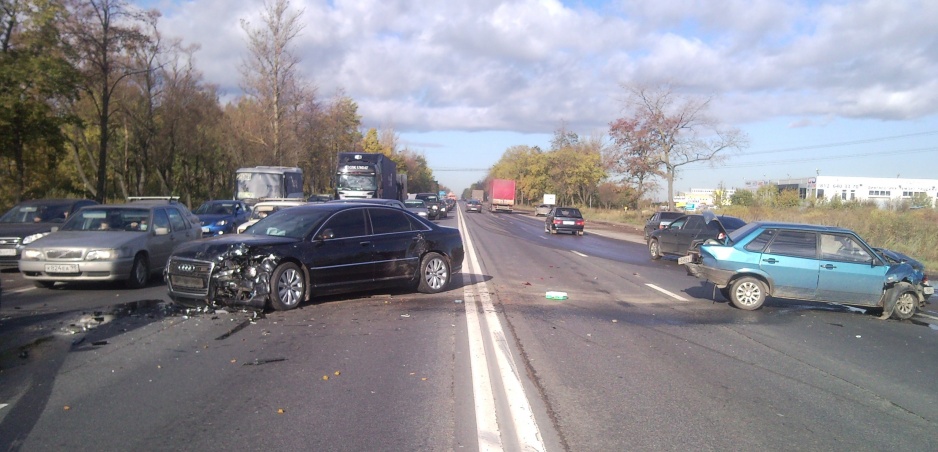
point(287, 287)
point(747, 293)
point(906, 301)
point(433, 275)
point(654, 250)
point(44, 284)
point(139, 272)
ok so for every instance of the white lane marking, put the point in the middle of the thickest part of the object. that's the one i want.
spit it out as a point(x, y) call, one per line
point(25, 289)
point(4, 405)
point(670, 294)
point(522, 417)
point(578, 253)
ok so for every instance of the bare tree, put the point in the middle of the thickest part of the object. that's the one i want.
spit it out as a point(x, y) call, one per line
point(663, 131)
point(101, 34)
point(270, 70)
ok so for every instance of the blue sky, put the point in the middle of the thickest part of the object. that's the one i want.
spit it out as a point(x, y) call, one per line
point(836, 88)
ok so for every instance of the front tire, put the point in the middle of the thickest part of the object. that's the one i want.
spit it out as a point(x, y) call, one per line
point(139, 272)
point(906, 301)
point(434, 273)
point(747, 293)
point(654, 250)
point(287, 287)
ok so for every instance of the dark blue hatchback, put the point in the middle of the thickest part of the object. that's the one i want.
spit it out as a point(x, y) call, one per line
point(222, 216)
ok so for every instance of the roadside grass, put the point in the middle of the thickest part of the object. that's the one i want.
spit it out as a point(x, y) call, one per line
point(911, 232)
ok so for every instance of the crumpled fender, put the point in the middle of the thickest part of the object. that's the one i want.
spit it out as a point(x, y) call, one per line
point(241, 278)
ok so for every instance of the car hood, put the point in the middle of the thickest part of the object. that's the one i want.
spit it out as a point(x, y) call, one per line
point(24, 229)
point(87, 239)
point(210, 248)
point(899, 257)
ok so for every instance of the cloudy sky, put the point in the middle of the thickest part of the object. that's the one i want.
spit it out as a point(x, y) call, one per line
point(845, 88)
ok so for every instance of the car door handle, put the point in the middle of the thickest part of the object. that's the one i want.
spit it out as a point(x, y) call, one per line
point(365, 243)
point(828, 266)
point(770, 260)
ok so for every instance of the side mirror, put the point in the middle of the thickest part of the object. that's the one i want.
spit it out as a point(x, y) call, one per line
point(161, 231)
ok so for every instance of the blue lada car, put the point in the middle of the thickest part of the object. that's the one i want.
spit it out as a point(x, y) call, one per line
point(809, 262)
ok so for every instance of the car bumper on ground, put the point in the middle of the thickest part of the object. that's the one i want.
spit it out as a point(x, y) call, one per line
point(116, 270)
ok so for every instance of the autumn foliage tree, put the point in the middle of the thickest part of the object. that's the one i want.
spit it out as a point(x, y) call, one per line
point(663, 131)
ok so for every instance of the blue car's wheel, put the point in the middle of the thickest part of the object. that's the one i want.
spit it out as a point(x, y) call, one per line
point(747, 293)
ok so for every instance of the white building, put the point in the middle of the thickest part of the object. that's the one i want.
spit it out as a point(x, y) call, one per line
point(883, 190)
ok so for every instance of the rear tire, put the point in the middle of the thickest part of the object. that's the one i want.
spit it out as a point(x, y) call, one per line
point(287, 287)
point(434, 273)
point(139, 272)
point(747, 293)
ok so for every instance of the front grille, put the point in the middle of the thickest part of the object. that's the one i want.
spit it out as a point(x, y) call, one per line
point(9, 242)
point(189, 276)
point(64, 254)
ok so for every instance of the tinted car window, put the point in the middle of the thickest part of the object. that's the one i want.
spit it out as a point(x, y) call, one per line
point(794, 243)
point(387, 221)
point(571, 213)
point(758, 244)
point(678, 224)
point(175, 218)
point(348, 223)
point(694, 223)
point(731, 223)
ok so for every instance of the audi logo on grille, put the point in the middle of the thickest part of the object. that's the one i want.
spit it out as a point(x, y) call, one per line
point(186, 268)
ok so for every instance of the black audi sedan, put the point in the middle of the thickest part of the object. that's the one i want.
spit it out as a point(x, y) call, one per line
point(316, 249)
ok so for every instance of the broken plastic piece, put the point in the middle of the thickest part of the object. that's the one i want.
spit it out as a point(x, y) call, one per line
point(554, 295)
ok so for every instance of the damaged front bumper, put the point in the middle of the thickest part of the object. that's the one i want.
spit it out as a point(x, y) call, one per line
point(233, 278)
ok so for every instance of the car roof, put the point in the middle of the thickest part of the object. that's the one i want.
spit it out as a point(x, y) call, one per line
point(280, 203)
point(52, 202)
point(802, 226)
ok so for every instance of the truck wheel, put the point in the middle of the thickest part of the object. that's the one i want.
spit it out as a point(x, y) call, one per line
point(139, 272)
point(906, 301)
point(747, 293)
point(653, 249)
point(286, 287)
point(434, 273)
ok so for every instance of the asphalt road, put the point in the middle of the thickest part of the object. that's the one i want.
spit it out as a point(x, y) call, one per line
point(640, 356)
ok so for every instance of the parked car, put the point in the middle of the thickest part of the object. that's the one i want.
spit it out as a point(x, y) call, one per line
point(123, 242)
point(28, 221)
point(434, 205)
point(291, 256)
point(418, 207)
point(659, 220)
point(473, 205)
point(542, 210)
point(266, 207)
point(222, 216)
point(809, 262)
point(678, 237)
point(564, 219)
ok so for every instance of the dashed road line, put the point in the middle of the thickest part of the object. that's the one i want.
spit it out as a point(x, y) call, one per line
point(670, 294)
point(578, 253)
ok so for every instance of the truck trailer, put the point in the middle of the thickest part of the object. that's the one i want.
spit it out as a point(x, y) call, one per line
point(361, 175)
point(502, 195)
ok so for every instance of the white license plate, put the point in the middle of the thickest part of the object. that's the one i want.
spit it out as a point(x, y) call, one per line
point(569, 222)
point(61, 268)
point(7, 252)
point(187, 281)
point(928, 290)
point(205, 229)
point(685, 259)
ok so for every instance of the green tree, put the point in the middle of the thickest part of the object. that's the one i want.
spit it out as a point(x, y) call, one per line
point(35, 80)
point(742, 197)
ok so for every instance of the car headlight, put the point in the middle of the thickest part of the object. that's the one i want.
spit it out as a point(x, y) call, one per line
point(422, 214)
point(434, 207)
point(102, 255)
point(32, 238)
point(31, 255)
point(221, 222)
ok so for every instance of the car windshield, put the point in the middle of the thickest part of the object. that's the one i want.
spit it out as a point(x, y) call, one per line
point(35, 214)
point(414, 203)
point(216, 208)
point(283, 224)
point(568, 212)
point(108, 219)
